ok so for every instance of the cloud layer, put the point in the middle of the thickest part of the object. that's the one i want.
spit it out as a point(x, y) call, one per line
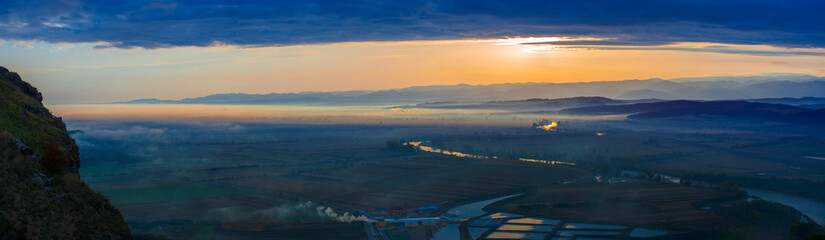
point(264, 23)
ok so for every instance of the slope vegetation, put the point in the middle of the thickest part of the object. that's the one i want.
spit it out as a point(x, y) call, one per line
point(41, 194)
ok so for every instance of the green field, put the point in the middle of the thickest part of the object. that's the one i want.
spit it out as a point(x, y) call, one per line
point(171, 193)
point(187, 176)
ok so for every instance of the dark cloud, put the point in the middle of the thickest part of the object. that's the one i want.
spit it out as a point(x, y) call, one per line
point(156, 24)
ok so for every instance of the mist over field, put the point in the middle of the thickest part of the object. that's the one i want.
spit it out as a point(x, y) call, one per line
point(412, 120)
point(186, 173)
point(445, 156)
point(235, 164)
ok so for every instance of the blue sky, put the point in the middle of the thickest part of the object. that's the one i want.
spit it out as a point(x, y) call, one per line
point(103, 51)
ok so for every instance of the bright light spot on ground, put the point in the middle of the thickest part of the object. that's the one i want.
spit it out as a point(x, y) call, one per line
point(548, 127)
point(545, 161)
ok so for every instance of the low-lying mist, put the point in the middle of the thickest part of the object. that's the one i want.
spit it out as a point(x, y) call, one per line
point(285, 211)
point(300, 114)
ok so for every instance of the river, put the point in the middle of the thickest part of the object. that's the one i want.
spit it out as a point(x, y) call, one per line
point(466, 211)
point(815, 210)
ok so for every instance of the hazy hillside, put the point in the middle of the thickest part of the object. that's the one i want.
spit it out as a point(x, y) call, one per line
point(806, 102)
point(711, 88)
point(630, 108)
point(683, 109)
point(812, 117)
point(41, 194)
point(529, 104)
point(732, 109)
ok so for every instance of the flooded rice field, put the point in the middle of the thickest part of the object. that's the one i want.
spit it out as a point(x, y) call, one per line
point(472, 221)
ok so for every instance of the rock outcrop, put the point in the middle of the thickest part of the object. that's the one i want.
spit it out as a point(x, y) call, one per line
point(14, 80)
point(41, 193)
point(23, 115)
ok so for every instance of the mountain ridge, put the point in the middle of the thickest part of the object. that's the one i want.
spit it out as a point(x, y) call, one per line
point(687, 109)
point(718, 88)
point(542, 104)
point(42, 195)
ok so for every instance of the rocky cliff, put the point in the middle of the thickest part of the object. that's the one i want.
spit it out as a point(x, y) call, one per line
point(41, 194)
point(23, 115)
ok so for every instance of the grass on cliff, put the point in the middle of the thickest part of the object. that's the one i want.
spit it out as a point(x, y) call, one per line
point(34, 206)
point(17, 118)
point(170, 193)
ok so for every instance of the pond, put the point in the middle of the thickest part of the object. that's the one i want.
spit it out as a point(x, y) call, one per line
point(529, 228)
point(535, 221)
point(516, 235)
point(474, 209)
point(646, 233)
point(591, 226)
point(463, 212)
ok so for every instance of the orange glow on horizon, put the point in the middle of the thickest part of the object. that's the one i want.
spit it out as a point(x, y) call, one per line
point(200, 71)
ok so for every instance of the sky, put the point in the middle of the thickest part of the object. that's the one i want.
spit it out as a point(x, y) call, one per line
point(104, 51)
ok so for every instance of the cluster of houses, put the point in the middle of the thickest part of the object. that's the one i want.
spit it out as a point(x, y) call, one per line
point(399, 218)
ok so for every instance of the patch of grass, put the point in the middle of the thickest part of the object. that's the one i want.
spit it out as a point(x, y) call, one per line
point(763, 220)
point(171, 193)
point(398, 235)
point(34, 206)
point(17, 116)
point(104, 169)
point(205, 231)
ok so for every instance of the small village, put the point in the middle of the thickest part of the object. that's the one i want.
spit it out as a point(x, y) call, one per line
point(416, 223)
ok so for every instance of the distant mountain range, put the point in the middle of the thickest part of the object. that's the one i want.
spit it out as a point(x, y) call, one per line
point(773, 109)
point(686, 110)
point(710, 88)
point(533, 104)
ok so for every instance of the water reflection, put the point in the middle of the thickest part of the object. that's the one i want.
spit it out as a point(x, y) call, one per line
point(502, 215)
point(473, 209)
point(476, 233)
point(514, 235)
point(485, 223)
point(646, 233)
point(591, 226)
point(571, 233)
point(534, 221)
point(446, 152)
point(448, 232)
point(545, 161)
point(814, 158)
point(504, 225)
point(813, 209)
point(462, 213)
point(425, 148)
point(535, 228)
